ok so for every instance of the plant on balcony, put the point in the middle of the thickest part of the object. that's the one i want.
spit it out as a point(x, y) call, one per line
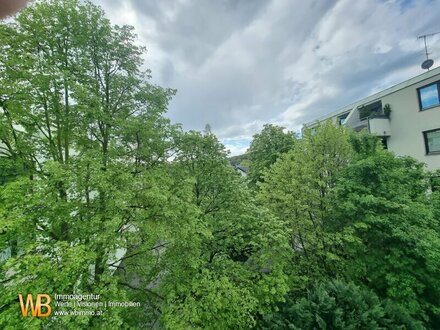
point(364, 112)
point(374, 112)
point(387, 110)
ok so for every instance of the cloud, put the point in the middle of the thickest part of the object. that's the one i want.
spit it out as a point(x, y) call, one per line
point(236, 146)
point(238, 64)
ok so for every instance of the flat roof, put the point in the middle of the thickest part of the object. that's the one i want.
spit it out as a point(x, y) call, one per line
point(371, 98)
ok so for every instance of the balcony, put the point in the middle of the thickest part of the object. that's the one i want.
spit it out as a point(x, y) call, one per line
point(379, 126)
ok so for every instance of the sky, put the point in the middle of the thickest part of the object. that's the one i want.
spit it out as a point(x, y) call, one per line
point(239, 64)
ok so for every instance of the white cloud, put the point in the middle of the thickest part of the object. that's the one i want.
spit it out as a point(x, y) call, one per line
point(240, 64)
point(236, 150)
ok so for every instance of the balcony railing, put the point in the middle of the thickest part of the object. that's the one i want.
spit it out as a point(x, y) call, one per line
point(379, 125)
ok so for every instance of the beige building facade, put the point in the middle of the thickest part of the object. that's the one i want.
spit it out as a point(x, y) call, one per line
point(405, 116)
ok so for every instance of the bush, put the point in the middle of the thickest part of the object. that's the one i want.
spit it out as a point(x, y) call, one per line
point(337, 305)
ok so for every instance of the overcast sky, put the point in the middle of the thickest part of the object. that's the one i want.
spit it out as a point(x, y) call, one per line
point(237, 64)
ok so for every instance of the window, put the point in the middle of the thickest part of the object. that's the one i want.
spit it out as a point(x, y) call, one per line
point(384, 142)
point(432, 141)
point(371, 110)
point(342, 119)
point(429, 96)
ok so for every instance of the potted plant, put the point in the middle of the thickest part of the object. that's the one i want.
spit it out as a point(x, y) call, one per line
point(387, 110)
point(364, 112)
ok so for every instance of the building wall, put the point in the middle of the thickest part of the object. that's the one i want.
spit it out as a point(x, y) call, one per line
point(408, 123)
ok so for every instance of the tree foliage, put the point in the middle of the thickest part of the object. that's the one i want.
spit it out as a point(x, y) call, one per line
point(100, 193)
point(79, 115)
point(300, 190)
point(338, 305)
point(356, 211)
point(383, 201)
point(266, 147)
point(240, 267)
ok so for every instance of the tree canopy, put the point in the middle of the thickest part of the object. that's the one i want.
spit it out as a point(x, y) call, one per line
point(355, 211)
point(266, 147)
point(100, 193)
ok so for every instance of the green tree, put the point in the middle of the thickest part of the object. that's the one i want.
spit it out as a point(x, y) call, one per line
point(338, 305)
point(238, 160)
point(81, 118)
point(300, 188)
point(239, 270)
point(356, 211)
point(383, 201)
point(266, 147)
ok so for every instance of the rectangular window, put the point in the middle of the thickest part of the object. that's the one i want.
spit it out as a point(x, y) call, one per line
point(384, 142)
point(370, 110)
point(342, 119)
point(429, 96)
point(432, 141)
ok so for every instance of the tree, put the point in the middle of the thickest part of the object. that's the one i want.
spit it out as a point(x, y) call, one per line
point(266, 147)
point(238, 160)
point(80, 117)
point(356, 211)
point(239, 270)
point(339, 305)
point(299, 189)
point(382, 200)
point(119, 218)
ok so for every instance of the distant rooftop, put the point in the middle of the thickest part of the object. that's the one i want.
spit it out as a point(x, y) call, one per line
point(242, 168)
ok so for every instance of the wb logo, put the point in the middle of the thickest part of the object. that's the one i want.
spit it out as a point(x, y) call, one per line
point(36, 309)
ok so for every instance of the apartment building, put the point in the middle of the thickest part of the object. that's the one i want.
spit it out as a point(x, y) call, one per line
point(405, 116)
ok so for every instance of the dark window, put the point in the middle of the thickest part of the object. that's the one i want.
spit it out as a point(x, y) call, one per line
point(384, 142)
point(342, 119)
point(432, 141)
point(429, 96)
point(371, 110)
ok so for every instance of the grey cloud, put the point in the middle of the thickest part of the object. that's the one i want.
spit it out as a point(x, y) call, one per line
point(223, 93)
point(355, 82)
point(194, 29)
point(237, 64)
